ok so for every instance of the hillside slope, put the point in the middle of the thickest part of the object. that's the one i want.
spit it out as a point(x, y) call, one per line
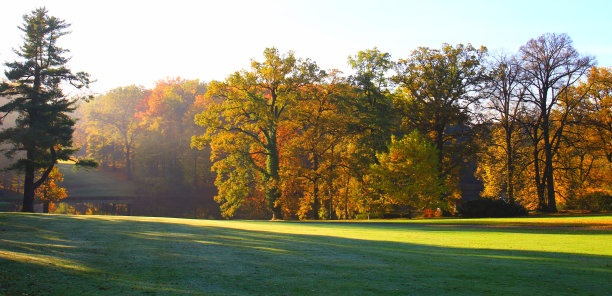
point(95, 184)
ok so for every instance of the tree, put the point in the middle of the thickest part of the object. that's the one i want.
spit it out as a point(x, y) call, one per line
point(320, 128)
point(34, 88)
point(374, 117)
point(505, 92)
point(371, 67)
point(408, 175)
point(113, 116)
point(437, 89)
point(244, 122)
point(505, 173)
point(168, 163)
point(373, 104)
point(551, 66)
point(51, 191)
point(582, 164)
point(599, 108)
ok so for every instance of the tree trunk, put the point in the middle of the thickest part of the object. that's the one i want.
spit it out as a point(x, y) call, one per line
point(509, 166)
point(440, 146)
point(316, 203)
point(316, 206)
point(550, 185)
point(273, 192)
point(551, 205)
point(28, 186)
point(128, 162)
point(536, 167)
point(272, 195)
point(195, 171)
point(346, 197)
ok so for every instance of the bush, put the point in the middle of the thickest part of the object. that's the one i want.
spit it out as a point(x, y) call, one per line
point(494, 208)
point(367, 216)
point(595, 202)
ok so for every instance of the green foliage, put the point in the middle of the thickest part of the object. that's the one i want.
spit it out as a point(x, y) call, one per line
point(486, 207)
point(374, 112)
point(235, 183)
point(85, 163)
point(368, 216)
point(438, 87)
point(371, 68)
point(408, 174)
point(596, 202)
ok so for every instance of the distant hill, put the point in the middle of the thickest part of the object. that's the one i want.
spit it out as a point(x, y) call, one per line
point(95, 184)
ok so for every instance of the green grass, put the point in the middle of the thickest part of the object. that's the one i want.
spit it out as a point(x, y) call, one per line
point(108, 255)
point(94, 183)
point(557, 220)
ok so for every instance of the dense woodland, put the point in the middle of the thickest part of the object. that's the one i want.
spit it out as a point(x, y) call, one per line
point(285, 139)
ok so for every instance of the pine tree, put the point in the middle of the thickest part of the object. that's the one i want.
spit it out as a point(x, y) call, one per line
point(43, 129)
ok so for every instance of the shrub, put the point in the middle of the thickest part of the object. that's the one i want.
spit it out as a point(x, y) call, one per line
point(429, 213)
point(595, 202)
point(367, 216)
point(485, 207)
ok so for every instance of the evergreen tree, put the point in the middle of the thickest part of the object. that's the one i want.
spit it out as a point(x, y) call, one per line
point(43, 129)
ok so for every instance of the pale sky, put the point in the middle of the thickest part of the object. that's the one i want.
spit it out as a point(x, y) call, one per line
point(140, 42)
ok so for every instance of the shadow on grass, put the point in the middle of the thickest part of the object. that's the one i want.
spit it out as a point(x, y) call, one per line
point(68, 255)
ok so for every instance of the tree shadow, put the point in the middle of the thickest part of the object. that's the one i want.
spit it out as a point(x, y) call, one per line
point(66, 254)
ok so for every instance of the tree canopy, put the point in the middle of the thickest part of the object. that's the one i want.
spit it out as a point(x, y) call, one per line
point(285, 139)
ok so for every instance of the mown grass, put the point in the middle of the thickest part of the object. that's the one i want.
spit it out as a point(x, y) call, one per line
point(93, 255)
point(557, 220)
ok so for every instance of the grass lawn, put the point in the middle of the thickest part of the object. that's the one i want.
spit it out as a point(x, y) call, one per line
point(94, 183)
point(110, 255)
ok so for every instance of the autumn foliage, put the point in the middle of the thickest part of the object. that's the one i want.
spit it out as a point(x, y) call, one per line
point(51, 191)
point(286, 139)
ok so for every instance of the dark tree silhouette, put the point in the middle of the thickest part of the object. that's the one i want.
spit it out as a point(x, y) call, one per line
point(43, 129)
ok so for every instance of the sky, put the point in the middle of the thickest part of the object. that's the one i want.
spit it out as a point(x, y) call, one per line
point(140, 42)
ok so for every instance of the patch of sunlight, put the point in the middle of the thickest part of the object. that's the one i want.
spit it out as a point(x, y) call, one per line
point(44, 260)
point(555, 241)
point(275, 250)
point(167, 234)
point(37, 244)
point(271, 250)
point(54, 238)
point(209, 242)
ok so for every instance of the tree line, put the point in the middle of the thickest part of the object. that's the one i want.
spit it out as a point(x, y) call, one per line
point(287, 139)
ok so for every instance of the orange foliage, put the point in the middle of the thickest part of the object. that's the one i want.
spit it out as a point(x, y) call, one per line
point(51, 190)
